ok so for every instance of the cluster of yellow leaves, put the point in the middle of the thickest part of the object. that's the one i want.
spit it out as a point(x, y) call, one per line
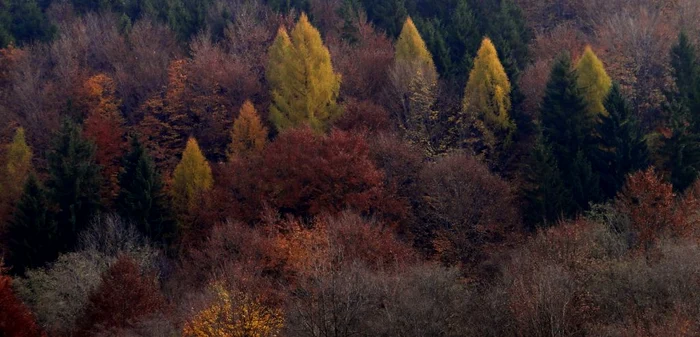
point(191, 178)
point(303, 84)
point(248, 134)
point(487, 102)
point(234, 315)
point(414, 79)
point(18, 163)
point(593, 81)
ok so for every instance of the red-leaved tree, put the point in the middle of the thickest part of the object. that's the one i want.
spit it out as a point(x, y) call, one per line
point(15, 319)
point(125, 296)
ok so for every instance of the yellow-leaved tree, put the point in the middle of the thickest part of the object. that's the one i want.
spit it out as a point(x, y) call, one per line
point(413, 90)
point(303, 84)
point(485, 123)
point(410, 46)
point(234, 315)
point(18, 163)
point(594, 82)
point(248, 135)
point(191, 179)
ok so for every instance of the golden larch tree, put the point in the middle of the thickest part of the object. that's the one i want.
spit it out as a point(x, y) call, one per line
point(593, 81)
point(413, 89)
point(303, 84)
point(192, 177)
point(411, 47)
point(486, 123)
point(18, 164)
point(234, 315)
point(248, 135)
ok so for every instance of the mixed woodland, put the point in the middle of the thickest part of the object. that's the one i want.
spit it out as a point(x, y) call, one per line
point(341, 168)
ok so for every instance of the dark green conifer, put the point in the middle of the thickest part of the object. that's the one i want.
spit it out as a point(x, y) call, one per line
point(141, 197)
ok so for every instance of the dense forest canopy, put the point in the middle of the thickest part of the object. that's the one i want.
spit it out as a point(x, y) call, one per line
point(325, 168)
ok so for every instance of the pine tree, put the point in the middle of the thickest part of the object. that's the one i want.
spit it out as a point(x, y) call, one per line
point(29, 23)
point(621, 148)
point(593, 82)
point(32, 234)
point(303, 84)
point(686, 73)
point(141, 197)
point(18, 164)
point(74, 183)
point(248, 135)
point(192, 177)
point(485, 122)
point(547, 198)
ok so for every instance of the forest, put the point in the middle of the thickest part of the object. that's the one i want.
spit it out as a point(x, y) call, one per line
point(349, 168)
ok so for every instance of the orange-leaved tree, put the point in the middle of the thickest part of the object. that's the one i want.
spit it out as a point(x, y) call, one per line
point(104, 125)
point(248, 133)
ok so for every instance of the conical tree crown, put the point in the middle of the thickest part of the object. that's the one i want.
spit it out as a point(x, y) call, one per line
point(410, 47)
point(593, 82)
point(192, 176)
point(141, 196)
point(248, 134)
point(304, 86)
point(18, 163)
point(32, 235)
point(488, 90)
point(74, 182)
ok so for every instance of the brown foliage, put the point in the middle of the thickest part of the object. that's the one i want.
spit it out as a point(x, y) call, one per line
point(469, 209)
point(652, 208)
point(15, 318)
point(364, 117)
point(124, 296)
point(364, 65)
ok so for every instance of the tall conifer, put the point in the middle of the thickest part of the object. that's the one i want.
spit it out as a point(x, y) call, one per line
point(303, 84)
point(593, 82)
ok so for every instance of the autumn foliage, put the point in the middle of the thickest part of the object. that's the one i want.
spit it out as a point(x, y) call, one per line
point(15, 318)
point(305, 174)
point(125, 295)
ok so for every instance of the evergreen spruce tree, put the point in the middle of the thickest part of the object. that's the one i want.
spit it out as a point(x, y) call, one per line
point(303, 84)
point(74, 183)
point(565, 123)
point(680, 149)
point(621, 148)
point(686, 73)
point(141, 197)
point(569, 129)
point(32, 235)
point(29, 24)
point(593, 82)
point(546, 197)
point(388, 15)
